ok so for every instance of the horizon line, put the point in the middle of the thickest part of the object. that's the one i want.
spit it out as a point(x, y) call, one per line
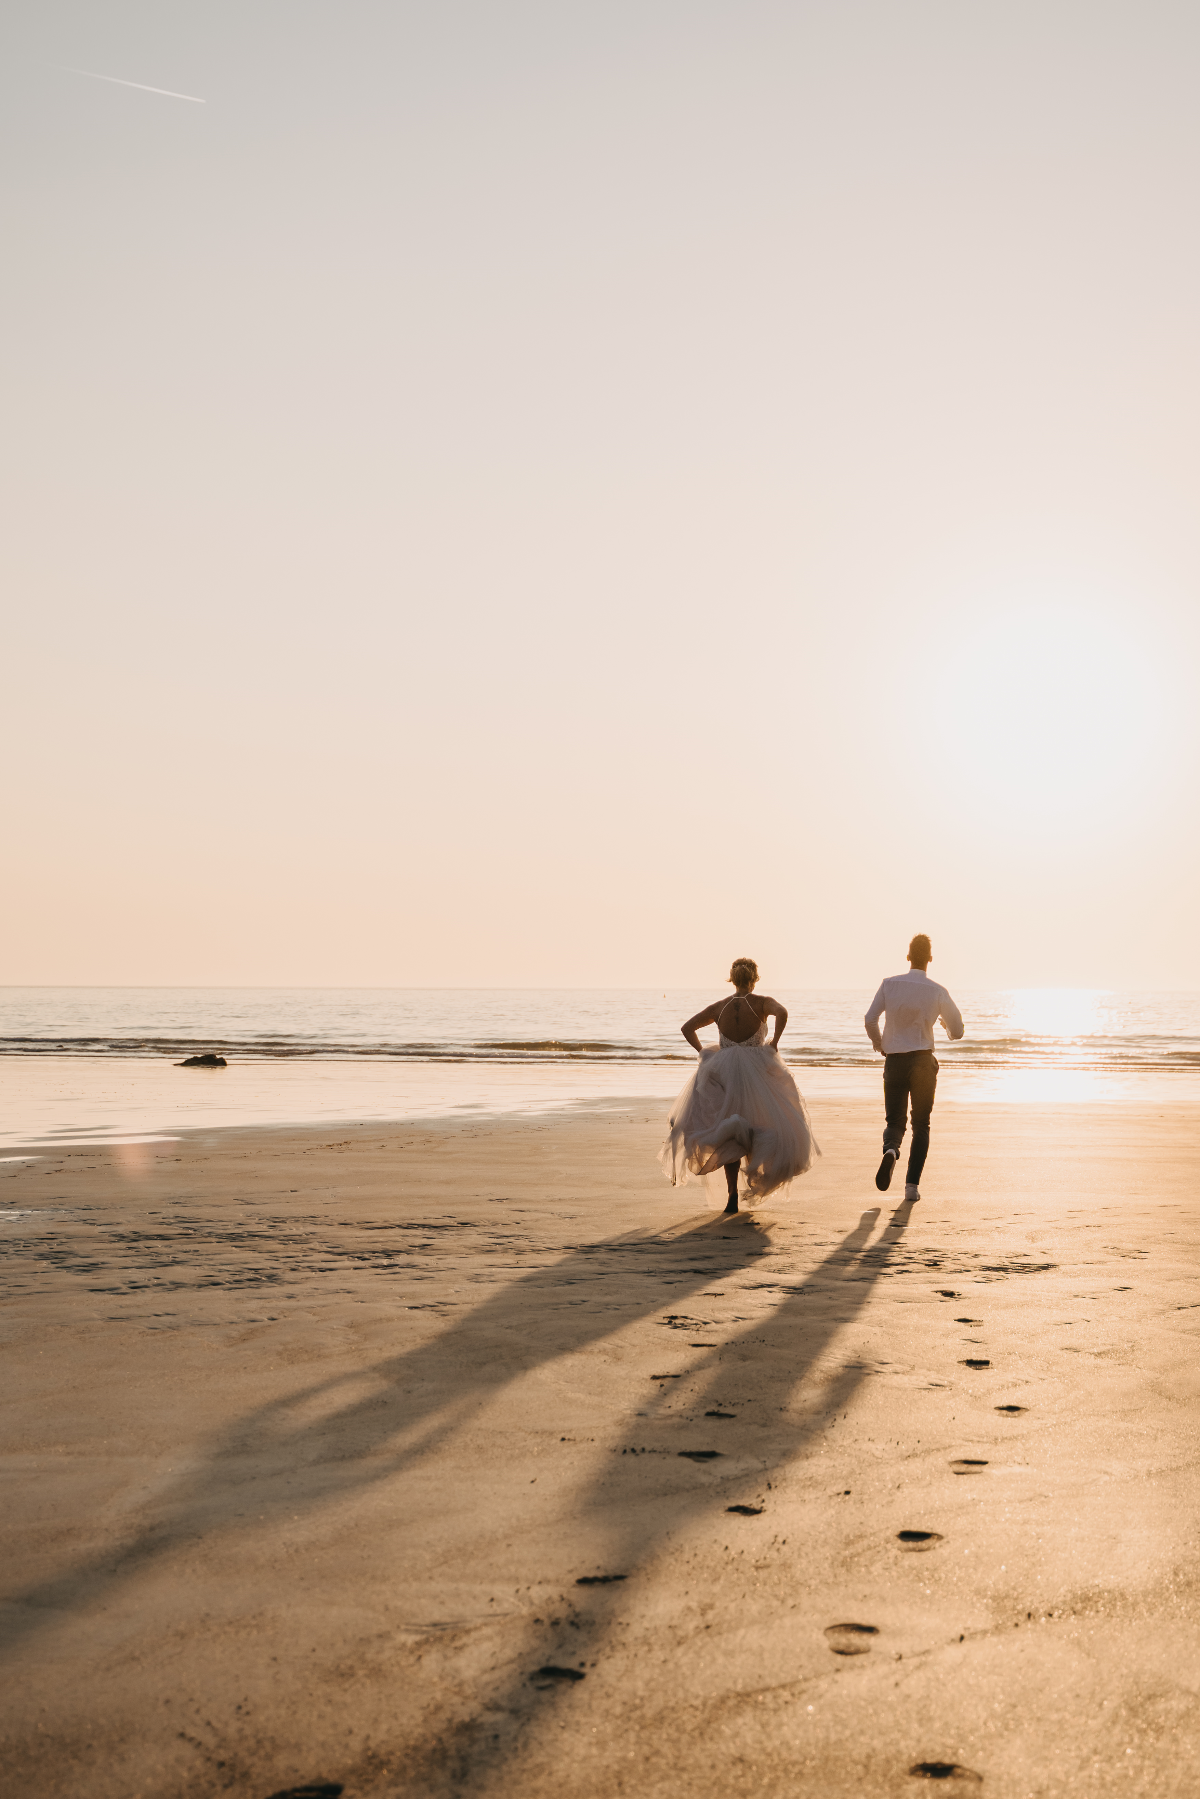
point(527, 987)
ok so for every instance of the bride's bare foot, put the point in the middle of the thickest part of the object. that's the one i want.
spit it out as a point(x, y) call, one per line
point(732, 1206)
point(731, 1180)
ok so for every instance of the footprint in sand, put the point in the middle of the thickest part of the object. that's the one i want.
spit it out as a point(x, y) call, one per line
point(599, 1580)
point(968, 1465)
point(946, 1293)
point(968, 1321)
point(720, 1414)
point(918, 1539)
point(745, 1511)
point(850, 1639)
point(944, 1771)
point(551, 1675)
point(701, 1455)
point(1009, 1410)
point(973, 1361)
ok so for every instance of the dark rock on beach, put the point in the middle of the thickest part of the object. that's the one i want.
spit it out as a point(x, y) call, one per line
point(208, 1061)
point(316, 1789)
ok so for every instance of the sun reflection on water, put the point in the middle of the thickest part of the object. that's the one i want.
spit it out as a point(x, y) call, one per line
point(1060, 1086)
point(1063, 1013)
point(1066, 1045)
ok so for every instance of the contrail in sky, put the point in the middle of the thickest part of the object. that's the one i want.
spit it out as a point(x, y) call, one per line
point(92, 76)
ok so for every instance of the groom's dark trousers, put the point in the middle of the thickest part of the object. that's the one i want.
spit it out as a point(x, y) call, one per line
point(914, 1075)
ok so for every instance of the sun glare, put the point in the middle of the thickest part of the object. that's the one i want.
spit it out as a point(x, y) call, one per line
point(1064, 1013)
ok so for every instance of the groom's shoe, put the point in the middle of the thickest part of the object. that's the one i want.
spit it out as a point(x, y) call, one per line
point(911, 1191)
point(883, 1179)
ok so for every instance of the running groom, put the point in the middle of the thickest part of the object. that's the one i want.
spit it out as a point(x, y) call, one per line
point(911, 1005)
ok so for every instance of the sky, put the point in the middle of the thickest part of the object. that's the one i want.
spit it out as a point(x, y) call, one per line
point(563, 495)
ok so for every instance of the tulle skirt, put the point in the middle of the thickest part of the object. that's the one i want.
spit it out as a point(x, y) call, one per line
point(740, 1103)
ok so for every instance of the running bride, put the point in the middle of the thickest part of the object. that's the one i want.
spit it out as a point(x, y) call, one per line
point(741, 1104)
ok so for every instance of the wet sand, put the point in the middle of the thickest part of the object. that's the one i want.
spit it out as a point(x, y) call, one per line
point(341, 1455)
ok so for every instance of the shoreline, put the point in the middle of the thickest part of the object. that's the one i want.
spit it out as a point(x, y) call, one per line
point(56, 1101)
point(1088, 1115)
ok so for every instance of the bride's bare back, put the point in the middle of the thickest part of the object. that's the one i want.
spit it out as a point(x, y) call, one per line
point(741, 1017)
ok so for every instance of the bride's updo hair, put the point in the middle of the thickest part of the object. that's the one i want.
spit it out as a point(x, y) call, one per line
point(744, 972)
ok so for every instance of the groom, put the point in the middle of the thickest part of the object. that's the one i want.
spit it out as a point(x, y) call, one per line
point(911, 1005)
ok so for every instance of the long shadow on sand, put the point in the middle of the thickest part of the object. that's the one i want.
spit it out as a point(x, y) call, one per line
point(339, 1436)
point(280, 1461)
point(627, 1519)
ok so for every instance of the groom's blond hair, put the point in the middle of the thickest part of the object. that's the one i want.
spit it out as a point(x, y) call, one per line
point(920, 950)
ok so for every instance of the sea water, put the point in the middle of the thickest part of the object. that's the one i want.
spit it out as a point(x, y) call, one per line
point(86, 1063)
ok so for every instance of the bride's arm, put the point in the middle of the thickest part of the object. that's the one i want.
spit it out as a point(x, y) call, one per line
point(708, 1016)
point(779, 1013)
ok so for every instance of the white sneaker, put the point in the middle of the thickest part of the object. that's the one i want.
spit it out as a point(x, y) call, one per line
point(912, 1191)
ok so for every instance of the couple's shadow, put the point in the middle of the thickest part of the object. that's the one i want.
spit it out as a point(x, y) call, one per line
point(625, 1523)
point(296, 1455)
point(334, 1437)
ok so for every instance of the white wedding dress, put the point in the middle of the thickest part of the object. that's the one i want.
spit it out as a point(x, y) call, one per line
point(740, 1103)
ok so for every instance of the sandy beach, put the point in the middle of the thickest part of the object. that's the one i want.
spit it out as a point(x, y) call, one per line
point(472, 1458)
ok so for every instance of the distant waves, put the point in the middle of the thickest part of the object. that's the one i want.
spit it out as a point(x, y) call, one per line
point(1068, 1029)
point(275, 1048)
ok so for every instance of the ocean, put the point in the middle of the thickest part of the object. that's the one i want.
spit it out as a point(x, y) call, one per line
point(94, 1062)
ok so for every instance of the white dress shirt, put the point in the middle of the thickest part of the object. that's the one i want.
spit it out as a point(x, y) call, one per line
point(913, 1004)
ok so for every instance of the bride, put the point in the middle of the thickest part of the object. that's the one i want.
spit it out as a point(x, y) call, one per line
point(741, 1102)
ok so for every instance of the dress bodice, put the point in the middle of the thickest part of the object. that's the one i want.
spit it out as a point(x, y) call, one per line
point(755, 1042)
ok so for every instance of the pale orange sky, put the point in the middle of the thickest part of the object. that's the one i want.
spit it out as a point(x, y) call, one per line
point(562, 496)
